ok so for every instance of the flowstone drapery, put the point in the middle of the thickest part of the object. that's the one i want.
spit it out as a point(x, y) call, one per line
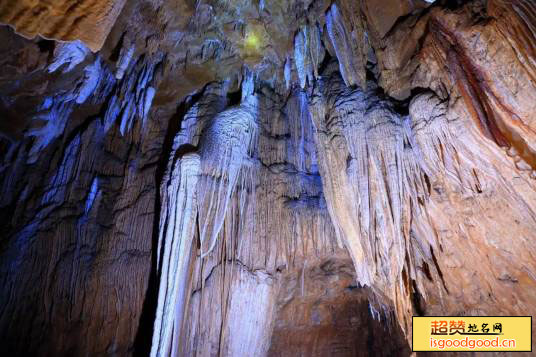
point(373, 178)
point(198, 193)
point(225, 147)
point(177, 233)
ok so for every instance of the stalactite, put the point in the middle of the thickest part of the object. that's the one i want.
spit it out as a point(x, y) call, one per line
point(92, 194)
point(54, 113)
point(315, 47)
point(308, 53)
point(373, 175)
point(125, 57)
point(176, 234)
point(70, 54)
point(225, 150)
point(217, 178)
point(287, 73)
point(133, 97)
point(343, 40)
point(302, 57)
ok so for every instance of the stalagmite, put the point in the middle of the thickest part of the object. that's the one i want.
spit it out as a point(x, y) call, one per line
point(177, 230)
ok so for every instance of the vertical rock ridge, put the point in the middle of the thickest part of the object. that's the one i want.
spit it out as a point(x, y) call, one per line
point(177, 227)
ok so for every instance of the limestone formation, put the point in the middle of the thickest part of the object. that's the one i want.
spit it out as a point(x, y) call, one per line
point(372, 177)
point(262, 178)
point(88, 21)
point(174, 250)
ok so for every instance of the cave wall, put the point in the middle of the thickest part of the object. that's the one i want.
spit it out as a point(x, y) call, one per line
point(397, 135)
point(321, 311)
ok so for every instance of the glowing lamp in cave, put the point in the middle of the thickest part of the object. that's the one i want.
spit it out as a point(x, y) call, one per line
point(252, 41)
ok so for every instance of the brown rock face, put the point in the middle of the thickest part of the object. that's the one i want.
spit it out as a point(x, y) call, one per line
point(253, 178)
point(320, 311)
point(88, 21)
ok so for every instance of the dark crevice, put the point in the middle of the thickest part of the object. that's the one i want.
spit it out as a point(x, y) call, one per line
point(428, 184)
point(426, 270)
point(371, 73)
point(401, 107)
point(325, 62)
point(439, 272)
point(234, 98)
point(452, 4)
point(46, 46)
point(417, 300)
point(114, 56)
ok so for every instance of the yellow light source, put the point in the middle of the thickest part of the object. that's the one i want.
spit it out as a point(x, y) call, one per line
point(252, 41)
